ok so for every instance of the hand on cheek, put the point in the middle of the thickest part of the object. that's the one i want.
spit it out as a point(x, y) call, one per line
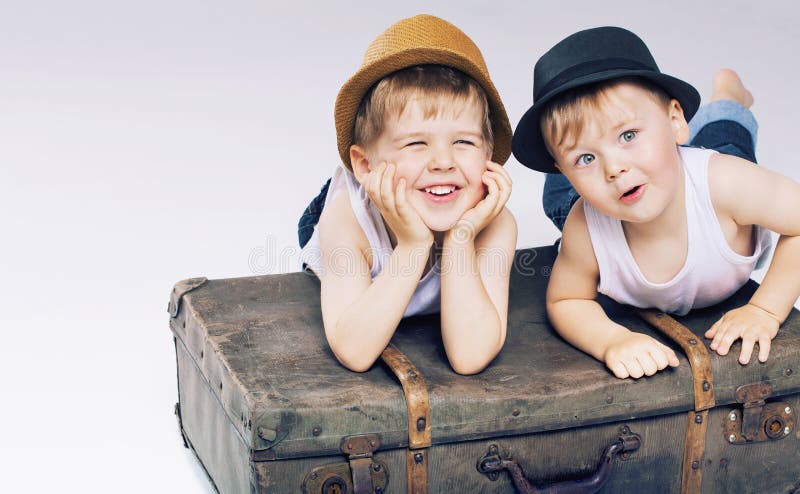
point(497, 184)
point(390, 197)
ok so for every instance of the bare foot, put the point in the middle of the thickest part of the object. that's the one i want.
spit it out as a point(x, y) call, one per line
point(726, 85)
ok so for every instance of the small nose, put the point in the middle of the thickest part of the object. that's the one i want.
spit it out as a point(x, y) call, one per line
point(442, 160)
point(615, 168)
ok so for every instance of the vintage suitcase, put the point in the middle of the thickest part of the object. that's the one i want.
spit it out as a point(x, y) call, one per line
point(266, 407)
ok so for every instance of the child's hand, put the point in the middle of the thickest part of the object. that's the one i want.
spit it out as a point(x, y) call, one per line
point(399, 214)
point(748, 322)
point(637, 354)
point(498, 184)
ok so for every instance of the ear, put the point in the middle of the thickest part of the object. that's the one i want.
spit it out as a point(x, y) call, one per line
point(359, 162)
point(679, 125)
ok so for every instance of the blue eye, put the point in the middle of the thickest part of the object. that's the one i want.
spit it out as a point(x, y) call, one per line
point(584, 159)
point(627, 136)
point(465, 141)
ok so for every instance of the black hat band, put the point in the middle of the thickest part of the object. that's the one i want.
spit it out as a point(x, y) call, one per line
point(592, 67)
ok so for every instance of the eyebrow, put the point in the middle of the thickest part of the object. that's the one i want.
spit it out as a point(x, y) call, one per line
point(413, 135)
point(409, 135)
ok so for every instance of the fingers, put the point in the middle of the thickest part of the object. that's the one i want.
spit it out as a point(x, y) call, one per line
point(748, 342)
point(373, 185)
point(658, 358)
point(639, 356)
point(764, 346)
point(500, 170)
point(648, 364)
point(380, 188)
point(750, 323)
point(672, 359)
point(492, 199)
point(400, 202)
point(726, 334)
point(386, 190)
point(619, 369)
point(498, 190)
point(503, 182)
point(713, 330)
point(634, 368)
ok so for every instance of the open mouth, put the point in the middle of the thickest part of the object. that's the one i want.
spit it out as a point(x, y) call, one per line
point(440, 190)
point(441, 194)
point(633, 194)
point(632, 191)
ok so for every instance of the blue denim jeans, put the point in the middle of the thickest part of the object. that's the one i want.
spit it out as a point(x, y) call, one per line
point(310, 217)
point(724, 126)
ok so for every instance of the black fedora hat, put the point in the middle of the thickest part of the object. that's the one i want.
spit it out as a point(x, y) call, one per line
point(587, 57)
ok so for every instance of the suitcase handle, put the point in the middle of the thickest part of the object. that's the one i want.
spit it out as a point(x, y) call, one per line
point(492, 463)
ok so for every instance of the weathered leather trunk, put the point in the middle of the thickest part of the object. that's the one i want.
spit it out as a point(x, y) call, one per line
point(266, 407)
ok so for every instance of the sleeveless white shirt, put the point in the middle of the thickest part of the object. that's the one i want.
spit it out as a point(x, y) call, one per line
point(712, 271)
point(426, 297)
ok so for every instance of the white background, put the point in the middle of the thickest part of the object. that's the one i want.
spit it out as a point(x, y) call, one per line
point(146, 142)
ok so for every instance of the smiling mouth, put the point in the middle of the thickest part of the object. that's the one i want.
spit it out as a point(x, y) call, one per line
point(440, 190)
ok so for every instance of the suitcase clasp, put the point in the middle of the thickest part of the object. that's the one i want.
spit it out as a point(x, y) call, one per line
point(362, 473)
point(758, 421)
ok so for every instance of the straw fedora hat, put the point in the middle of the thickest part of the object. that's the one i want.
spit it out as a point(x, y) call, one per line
point(422, 39)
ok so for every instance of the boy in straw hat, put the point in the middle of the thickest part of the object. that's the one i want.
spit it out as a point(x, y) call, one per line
point(414, 221)
point(657, 224)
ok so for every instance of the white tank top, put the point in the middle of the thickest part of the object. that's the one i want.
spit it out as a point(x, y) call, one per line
point(712, 271)
point(426, 297)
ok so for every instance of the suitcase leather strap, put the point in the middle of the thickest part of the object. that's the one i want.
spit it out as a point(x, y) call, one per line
point(702, 377)
point(419, 418)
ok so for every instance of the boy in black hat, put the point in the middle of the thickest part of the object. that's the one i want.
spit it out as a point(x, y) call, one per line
point(657, 224)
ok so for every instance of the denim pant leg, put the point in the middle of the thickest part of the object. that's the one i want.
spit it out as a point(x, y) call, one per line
point(727, 127)
point(724, 126)
point(558, 197)
point(310, 217)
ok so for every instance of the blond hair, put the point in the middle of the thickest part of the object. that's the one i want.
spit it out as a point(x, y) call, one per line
point(566, 116)
point(439, 89)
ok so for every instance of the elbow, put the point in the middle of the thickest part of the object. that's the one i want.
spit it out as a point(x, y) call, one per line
point(475, 354)
point(474, 364)
point(467, 369)
point(357, 367)
point(353, 357)
point(354, 362)
point(349, 353)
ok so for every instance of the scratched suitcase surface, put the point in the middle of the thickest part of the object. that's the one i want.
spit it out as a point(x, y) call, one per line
point(266, 407)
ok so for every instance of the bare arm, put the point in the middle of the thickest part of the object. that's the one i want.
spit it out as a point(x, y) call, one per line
point(476, 264)
point(747, 194)
point(475, 275)
point(580, 320)
point(361, 314)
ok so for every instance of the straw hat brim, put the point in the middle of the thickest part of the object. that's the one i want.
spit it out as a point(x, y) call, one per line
point(356, 87)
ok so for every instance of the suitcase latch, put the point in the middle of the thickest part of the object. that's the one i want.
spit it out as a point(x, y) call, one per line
point(361, 475)
point(758, 421)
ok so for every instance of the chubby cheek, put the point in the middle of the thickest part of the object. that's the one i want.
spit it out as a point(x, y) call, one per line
point(475, 194)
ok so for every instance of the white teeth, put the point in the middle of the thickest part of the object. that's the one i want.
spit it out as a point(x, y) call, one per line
point(440, 190)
